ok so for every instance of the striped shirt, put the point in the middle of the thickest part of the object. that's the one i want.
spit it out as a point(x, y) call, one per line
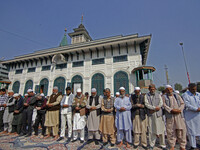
point(3, 100)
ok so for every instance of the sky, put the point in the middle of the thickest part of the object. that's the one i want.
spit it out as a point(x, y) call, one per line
point(27, 26)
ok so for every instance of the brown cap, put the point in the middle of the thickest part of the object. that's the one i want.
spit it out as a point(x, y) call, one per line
point(152, 86)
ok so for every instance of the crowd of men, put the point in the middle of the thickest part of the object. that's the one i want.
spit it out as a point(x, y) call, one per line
point(121, 119)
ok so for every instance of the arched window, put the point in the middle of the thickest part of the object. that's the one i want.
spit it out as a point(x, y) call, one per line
point(77, 82)
point(16, 87)
point(44, 84)
point(98, 83)
point(28, 85)
point(121, 79)
point(60, 83)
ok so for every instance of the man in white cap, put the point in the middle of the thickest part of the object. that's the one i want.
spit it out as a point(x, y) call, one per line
point(123, 120)
point(79, 119)
point(8, 113)
point(175, 123)
point(66, 114)
point(107, 124)
point(40, 106)
point(139, 116)
point(52, 113)
point(192, 114)
point(17, 116)
point(117, 94)
point(156, 125)
point(27, 115)
point(94, 107)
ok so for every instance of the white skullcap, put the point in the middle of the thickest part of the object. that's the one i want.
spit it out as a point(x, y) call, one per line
point(168, 86)
point(93, 90)
point(117, 93)
point(176, 91)
point(16, 95)
point(29, 90)
point(42, 94)
point(121, 88)
point(78, 90)
point(11, 91)
point(26, 94)
point(55, 88)
point(137, 88)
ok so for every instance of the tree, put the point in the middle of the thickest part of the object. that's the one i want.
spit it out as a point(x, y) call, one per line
point(161, 88)
point(178, 86)
point(198, 86)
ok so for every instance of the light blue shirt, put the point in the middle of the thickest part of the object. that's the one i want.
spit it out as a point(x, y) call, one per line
point(192, 117)
point(123, 119)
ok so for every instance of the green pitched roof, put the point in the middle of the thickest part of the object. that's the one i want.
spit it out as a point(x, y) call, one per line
point(64, 41)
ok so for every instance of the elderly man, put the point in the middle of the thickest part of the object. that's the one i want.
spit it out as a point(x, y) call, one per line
point(52, 113)
point(154, 103)
point(40, 106)
point(192, 113)
point(139, 116)
point(94, 107)
point(17, 116)
point(107, 124)
point(175, 123)
point(66, 114)
point(3, 101)
point(123, 121)
point(79, 119)
point(27, 114)
point(8, 113)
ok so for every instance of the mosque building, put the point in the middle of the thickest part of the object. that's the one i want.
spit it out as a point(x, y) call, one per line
point(86, 63)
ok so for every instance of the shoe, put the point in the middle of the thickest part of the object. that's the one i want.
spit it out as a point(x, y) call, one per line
point(96, 142)
point(112, 145)
point(74, 141)
point(105, 143)
point(22, 134)
point(89, 141)
point(164, 148)
point(144, 147)
point(61, 138)
point(68, 140)
point(135, 146)
point(81, 141)
point(28, 135)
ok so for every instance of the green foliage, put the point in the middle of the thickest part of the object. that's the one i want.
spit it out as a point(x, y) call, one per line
point(161, 88)
point(178, 86)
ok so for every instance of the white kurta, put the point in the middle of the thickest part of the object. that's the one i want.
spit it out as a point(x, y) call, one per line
point(79, 122)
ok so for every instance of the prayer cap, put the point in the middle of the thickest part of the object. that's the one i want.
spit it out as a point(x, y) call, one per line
point(29, 90)
point(16, 95)
point(117, 93)
point(121, 88)
point(10, 91)
point(55, 88)
point(168, 86)
point(93, 90)
point(78, 90)
point(26, 94)
point(176, 91)
point(42, 94)
point(137, 88)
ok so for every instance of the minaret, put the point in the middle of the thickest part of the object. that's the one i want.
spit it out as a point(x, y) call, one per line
point(167, 76)
point(80, 34)
point(64, 40)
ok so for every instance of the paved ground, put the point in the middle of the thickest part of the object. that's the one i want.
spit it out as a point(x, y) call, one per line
point(11, 142)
